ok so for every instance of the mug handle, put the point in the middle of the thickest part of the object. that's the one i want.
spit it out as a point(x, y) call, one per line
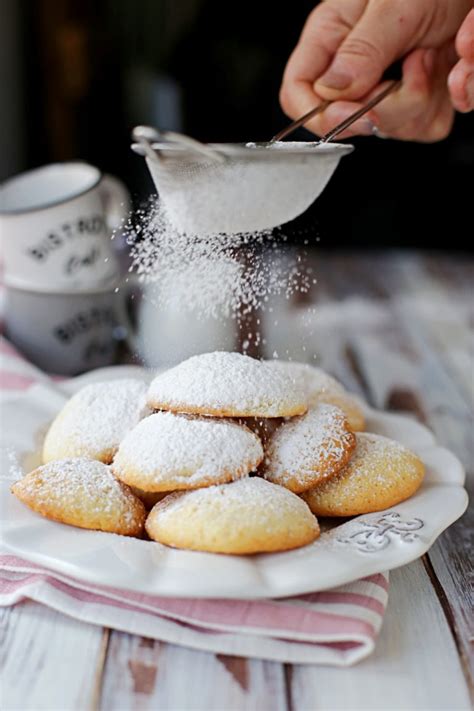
point(116, 200)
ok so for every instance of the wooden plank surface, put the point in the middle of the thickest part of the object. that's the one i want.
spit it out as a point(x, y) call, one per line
point(397, 328)
point(48, 661)
point(447, 332)
point(403, 324)
point(143, 674)
point(414, 666)
point(403, 367)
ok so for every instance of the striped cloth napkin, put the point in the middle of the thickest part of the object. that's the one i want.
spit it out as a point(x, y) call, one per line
point(337, 627)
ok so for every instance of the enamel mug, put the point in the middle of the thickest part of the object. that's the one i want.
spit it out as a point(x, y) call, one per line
point(56, 224)
point(67, 332)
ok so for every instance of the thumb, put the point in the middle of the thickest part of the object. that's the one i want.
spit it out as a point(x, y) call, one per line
point(385, 31)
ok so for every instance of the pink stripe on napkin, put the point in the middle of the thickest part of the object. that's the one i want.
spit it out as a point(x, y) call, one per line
point(337, 627)
point(16, 373)
point(15, 381)
point(6, 348)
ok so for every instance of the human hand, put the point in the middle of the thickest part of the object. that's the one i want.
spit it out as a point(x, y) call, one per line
point(345, 47)
point(461, 78)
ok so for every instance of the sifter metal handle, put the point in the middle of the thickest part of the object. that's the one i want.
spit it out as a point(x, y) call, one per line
point(360, 112)
point(151, 139)
point(394, 73)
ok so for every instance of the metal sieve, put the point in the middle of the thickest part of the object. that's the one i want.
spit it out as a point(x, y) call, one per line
point(233, 187)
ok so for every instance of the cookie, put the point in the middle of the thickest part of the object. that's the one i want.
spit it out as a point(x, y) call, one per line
point(263, 427)
point(380, 474)
point(166, 452)
point(225, 384)
point(319, 386)
point(84, 493)
point(94, 421)
point(149, 498)
point(248, 516)
point(309, 449)
point(347, 403)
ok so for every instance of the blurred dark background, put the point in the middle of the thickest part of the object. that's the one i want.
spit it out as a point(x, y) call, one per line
point(76, 75)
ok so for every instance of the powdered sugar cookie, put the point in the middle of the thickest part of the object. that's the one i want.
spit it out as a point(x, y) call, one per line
point(94, 421)
point(347, 403)
point(83, 493)
point(227, 385)
point(167, 451)
point(309, 449)
point(248, 516)
point(380, 474)
point(319, 386)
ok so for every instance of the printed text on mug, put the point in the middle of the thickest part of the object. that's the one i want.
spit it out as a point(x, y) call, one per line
point(82, 227)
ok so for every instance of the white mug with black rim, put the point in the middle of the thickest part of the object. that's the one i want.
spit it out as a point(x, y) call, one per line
point(55, 227)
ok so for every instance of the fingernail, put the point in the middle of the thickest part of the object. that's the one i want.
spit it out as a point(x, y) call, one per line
point(429, 60)
point(336, 78)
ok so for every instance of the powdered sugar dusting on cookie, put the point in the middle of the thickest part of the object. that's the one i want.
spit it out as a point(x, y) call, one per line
point(319, 387)
point(381, 473)
point(167, 451)
point(377, 459)
point(259, 497)
point(229, 384)
point(247, 516)
point(309, 448)
point(78, 487)
point(96, 419)
point(314, 381)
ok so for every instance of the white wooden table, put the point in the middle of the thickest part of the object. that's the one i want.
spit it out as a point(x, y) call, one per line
point(396, 327)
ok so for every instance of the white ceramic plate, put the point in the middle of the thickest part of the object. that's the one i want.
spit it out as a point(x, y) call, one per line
point(362, 546)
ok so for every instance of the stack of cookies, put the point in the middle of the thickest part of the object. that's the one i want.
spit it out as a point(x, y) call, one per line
point(222, 453)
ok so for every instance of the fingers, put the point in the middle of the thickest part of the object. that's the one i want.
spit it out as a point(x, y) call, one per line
point(420, 110)
point(411, 100)
point(335, 114)
point(386, 30)
point(461, 86)
point(437, 128)
point(461, 78)
point(465, 38)
point(323, 33)
point(347, 44)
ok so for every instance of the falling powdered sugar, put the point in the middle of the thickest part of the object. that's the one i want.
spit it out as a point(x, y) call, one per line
point(217, 275)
